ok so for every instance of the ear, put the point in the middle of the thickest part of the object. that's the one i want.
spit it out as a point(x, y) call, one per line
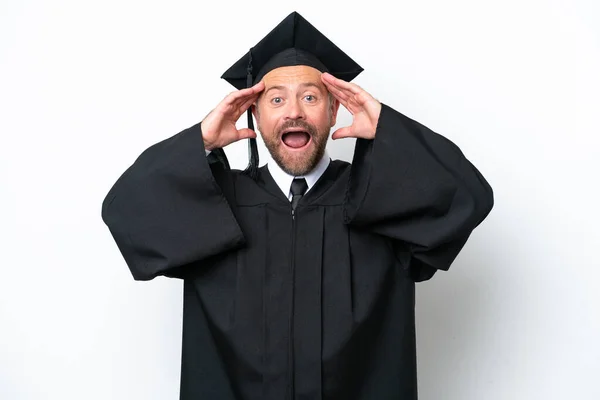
point(335, 106)
point(254, 111)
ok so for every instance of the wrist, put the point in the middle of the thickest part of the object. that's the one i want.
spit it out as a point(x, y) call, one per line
point(208, 146)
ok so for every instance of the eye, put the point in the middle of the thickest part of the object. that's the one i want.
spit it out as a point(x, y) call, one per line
point(276, 100)
point(310, 98)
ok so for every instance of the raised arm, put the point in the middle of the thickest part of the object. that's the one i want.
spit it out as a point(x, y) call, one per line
point(167, 211)
point(409, 183)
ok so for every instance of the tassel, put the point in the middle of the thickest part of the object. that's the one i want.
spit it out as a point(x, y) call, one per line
point(252, 169)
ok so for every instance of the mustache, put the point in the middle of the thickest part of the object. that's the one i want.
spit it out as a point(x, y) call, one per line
point(312, 131)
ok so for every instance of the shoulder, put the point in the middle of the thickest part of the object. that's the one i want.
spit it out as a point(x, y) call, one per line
point(339, 167)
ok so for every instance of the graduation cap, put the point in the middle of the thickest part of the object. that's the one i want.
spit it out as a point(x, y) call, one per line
point(294, 41)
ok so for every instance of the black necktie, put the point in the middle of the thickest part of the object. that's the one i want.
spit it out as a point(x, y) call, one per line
point(298, 189)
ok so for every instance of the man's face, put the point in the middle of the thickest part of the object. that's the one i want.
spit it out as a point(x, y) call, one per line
point(294, 115)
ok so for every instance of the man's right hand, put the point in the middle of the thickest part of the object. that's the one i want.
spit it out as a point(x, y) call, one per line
point(218, 128)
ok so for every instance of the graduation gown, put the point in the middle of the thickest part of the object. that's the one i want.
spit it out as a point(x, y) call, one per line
point(315, 306)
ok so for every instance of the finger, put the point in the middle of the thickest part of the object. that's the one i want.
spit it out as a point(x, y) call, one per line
point(341, 84)
point(350, 88)
point(338, 94)
point(246, 133)
point(235, 110)
point(251, 97)
point(238, 97)
point(235, 96)
point(244, 107)
point(348, 95)
point(259, 87)
point(348, 101)
point(342, 133)
point(352, 100)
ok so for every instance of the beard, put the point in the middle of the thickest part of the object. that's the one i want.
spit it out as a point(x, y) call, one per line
point(297, 163)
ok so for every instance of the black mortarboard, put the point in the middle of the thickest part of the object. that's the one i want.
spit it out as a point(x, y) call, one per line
point(293, 42)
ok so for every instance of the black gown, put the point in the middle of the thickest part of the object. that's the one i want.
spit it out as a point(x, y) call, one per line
point(319, 306)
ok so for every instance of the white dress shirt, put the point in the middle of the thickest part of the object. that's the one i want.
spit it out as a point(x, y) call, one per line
point(284, 180)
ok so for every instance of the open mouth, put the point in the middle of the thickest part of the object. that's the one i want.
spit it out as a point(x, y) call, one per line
point(296, 139)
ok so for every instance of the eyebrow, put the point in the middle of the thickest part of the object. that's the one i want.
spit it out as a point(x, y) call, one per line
point(302, 85)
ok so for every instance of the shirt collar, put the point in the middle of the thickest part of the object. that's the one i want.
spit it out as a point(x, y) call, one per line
point(284, 180)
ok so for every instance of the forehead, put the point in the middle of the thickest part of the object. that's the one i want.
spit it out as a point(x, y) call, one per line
point(292, 75)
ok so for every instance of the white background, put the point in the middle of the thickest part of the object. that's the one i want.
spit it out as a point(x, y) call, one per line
point(85, 86)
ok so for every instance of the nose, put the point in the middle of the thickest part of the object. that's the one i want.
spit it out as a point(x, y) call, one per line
point(295, 110)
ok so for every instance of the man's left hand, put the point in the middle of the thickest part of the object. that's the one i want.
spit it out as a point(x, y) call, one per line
point(364, 108)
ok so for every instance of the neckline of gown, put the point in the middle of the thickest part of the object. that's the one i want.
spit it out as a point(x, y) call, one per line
point(321, 186)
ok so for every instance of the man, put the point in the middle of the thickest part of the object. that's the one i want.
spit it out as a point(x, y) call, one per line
point(299, 276)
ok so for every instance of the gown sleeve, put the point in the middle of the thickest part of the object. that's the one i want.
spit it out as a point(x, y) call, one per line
point(167, 210)
point(416, 187)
